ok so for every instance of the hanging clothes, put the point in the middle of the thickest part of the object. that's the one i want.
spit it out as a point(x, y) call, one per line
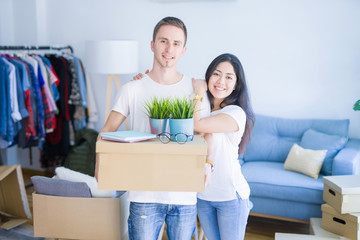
point(43, 102)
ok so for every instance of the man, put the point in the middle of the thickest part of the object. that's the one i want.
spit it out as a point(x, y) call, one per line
point(149, 210)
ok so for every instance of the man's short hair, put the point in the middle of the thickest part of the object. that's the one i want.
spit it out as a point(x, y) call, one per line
point(173, 21)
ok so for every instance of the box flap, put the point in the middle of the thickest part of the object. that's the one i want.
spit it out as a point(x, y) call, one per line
point(344, 184)
point(353, 217)
point(13, 223)
point(13, 198)
point(6, 170)
point(196, 147)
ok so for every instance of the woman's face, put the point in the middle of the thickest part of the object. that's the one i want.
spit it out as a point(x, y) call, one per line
point(222, 81)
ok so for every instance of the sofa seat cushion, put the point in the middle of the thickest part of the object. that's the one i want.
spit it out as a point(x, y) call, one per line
point(270, 180)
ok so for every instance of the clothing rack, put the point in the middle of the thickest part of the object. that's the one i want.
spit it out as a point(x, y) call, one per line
point(16, 48)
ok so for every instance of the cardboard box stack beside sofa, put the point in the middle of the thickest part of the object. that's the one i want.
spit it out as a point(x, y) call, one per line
point(341, 212)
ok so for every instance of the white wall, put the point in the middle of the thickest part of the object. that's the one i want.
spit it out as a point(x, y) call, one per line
point(301, 57)
point(6, 22)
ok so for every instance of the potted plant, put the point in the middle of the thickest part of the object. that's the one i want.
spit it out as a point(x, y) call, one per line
point(158, 111)
point(181, 120)
point(357, 105)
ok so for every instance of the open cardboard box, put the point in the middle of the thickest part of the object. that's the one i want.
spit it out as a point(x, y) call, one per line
point(14, 205)
point(80, 218)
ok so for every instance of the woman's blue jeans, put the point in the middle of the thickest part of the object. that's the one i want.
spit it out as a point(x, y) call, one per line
point(146, 219)
point(224, 220)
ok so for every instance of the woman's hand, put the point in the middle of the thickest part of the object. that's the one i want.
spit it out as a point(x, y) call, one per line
point(208, 167)
point(208, 173)
point(199, 86)
point(140, 75)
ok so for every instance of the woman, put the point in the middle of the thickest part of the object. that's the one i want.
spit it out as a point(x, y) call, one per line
point(223, 208)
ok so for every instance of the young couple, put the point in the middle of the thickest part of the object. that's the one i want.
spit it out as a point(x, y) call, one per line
point(224, 206)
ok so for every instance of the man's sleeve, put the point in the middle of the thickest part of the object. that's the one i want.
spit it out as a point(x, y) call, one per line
point(122, 101)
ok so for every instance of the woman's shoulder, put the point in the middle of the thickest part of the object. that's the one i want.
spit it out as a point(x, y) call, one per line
point(234, 111)
point(234, 108)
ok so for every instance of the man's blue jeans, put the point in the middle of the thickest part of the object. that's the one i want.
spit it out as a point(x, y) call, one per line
point(146, 219)
point(224, 220)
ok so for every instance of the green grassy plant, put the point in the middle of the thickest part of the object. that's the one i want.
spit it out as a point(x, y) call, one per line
point(357, 105)
point(182, 108)
point(158, 108)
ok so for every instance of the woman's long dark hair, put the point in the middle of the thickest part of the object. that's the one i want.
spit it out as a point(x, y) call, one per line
point(239, 96)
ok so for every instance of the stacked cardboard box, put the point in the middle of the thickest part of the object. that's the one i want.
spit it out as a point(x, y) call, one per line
point(341, 213)
point(317, 230)
point(316, 233)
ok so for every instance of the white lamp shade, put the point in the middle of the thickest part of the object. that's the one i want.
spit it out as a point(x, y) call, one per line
point(112, 56)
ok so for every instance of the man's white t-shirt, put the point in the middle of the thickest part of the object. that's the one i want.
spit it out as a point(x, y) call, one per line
point(227, 178)
point(130, 103)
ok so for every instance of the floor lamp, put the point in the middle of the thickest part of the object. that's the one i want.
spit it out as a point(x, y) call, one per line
point(112, 57)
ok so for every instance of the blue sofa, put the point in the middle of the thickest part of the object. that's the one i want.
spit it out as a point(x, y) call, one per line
point(289, 195)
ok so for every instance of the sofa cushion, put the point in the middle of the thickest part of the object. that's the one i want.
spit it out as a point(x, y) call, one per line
point(272, 137)
point(317, 140)
point(306, 161)
point(270, 180)
point(284, 208)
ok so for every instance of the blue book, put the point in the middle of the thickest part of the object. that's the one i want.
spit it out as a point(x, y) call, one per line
point(127, 136)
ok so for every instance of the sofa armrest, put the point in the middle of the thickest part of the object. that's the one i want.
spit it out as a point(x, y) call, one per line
point(347, 161)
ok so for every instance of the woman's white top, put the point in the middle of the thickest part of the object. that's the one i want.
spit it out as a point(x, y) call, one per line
point(227, 178)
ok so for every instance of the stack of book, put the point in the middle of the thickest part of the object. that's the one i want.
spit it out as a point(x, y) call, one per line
point(127, 136)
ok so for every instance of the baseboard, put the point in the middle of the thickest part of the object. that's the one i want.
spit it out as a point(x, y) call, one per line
point(279, 218)
point(36, 172)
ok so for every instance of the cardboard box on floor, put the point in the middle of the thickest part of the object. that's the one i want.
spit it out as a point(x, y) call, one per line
point(152, 165)
point(80, 218)
point(316, 229)
point(346, 225)
point(342, 192)
point(14, 205)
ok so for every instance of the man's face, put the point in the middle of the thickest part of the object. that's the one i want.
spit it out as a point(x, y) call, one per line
point(168, 46)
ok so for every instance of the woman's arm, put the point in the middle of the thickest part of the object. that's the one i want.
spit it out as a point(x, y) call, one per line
point(219, 123)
